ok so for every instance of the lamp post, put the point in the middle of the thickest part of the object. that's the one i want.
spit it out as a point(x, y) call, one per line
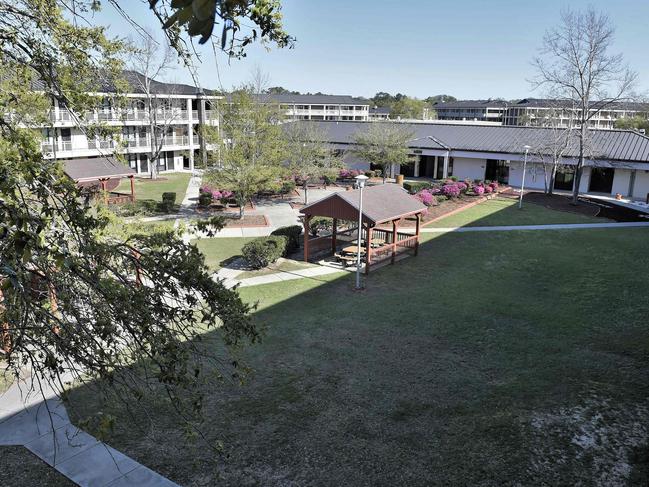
point(520, 200)
point(360, 181)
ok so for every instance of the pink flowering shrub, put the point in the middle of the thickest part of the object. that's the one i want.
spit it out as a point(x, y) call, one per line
point(478, 190)
point(488, 189)
point(435, 190)
point(494, 186)
point(425, 197)
point(463, 187)
point(451, 190)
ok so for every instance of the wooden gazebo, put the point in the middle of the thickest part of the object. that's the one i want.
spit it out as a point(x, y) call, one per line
point(103, 171)
point(385, 208)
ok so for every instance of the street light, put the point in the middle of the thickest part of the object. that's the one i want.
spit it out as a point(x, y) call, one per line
point(360, 182)
point(520, 200)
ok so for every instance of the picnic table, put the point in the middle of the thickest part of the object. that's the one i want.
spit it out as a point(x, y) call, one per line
point(352, 249)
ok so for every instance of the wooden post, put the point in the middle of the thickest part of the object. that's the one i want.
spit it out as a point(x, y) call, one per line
point(132, 188)
point(417, 233)
point(368, 249)
point(306, 237)
point(334, 232)
point(394, 239)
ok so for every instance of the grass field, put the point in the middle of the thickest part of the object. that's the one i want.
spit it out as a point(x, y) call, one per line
point(218, 250)
point(505, 211)
point(146, 189)
point(514, 358)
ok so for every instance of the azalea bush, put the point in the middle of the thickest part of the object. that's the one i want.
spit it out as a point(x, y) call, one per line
point(426, 197)
point(478, 190)
point(451, 190)
point(348, 173)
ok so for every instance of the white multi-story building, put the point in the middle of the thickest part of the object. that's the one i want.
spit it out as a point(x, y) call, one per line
point(179, 111)
point(534, 112)
point(321, 107)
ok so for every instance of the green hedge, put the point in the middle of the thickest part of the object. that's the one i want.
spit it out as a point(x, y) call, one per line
point(293, 234)
point(263, 251)
point(416, 186)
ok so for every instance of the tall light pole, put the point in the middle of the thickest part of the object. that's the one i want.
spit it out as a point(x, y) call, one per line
point(520, 200)
point(360, 181)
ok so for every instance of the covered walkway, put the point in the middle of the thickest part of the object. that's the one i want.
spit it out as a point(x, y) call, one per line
point(385, 207)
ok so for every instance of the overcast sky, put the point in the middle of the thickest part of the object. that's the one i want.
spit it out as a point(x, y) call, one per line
point(465, 48)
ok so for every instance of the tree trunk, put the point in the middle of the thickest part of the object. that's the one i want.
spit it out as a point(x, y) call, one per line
point(242, 206)
point(305, 191)
point(553, 177)
point(580, 163)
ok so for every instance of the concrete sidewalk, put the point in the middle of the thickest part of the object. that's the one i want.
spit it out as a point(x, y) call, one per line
point(558, 226)
point(289, 276)
point(33, 416)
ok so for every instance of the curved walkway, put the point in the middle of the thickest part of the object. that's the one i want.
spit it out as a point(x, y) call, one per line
point(33, 416)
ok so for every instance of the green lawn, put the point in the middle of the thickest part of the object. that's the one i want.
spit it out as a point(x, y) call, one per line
point(146, 189)
point(502, 211)
point(513, 358)
point(217, 250)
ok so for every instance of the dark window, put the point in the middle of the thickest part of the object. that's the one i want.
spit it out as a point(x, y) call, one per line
point(601, 179)
point(565, 178)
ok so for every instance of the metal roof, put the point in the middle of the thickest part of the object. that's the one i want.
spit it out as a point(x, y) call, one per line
point(381, 203)
point(613, 145)
point(95, 168)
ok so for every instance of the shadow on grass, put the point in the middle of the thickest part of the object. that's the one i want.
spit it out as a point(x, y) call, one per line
point(440, 372)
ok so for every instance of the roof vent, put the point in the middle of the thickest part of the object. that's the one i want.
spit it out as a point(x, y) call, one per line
point(642, 131)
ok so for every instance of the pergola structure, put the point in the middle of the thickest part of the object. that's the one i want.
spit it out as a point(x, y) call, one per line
point(105, 171)
point(385, 206)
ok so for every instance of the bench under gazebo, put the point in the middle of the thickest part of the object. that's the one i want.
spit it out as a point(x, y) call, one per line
point(106, 172)
point(385, 208)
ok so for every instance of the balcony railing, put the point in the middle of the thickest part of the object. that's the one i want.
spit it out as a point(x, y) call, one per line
point(176, 140)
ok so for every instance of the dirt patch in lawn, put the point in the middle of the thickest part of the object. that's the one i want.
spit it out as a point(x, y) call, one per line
point(247, 221)
point(556, 202)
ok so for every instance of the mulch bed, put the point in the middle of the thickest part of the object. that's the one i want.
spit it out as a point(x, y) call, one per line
point(248, 221)
point(444, 209)
point(220, 209)
point(556, 202)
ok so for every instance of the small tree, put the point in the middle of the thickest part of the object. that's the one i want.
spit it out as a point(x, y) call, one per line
point(384, 144)
point(554, 145)
point(150, 61)
point(253, 148)
point(309, 155)
point(575, 65)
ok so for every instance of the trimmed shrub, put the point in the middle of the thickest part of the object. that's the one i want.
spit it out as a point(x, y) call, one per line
point(328, 180)
point(168, 199)
point(478, 190)
point(378, 173)
point(414, 187)
point(292, 234)
point(263, 251)
point(287, 186)
point(320, 223)
point(205, 199)
point(441, 198)
point(454, 179)
point(451, 190)
point(425, 197)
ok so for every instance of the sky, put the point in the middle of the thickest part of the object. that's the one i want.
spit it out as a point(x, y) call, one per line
point(470, 49)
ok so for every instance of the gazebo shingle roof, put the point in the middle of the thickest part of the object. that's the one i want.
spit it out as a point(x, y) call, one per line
point(381, 203)
point(95, 168)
